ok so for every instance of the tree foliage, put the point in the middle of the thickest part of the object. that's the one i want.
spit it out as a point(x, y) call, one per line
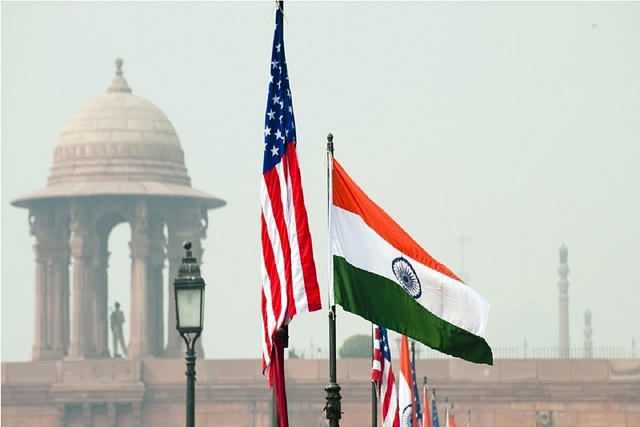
point(356, 346)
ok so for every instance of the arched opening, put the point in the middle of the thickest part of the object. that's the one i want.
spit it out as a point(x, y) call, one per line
point(115, 235)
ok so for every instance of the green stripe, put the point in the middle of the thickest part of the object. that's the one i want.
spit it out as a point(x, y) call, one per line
point(383, 302)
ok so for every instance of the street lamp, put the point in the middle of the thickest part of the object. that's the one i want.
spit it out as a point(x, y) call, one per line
point(189, 296)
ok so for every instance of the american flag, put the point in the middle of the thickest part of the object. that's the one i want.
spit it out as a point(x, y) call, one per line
point(434, 410)
point(382, 375)
point(289, 280)
point(417, 420)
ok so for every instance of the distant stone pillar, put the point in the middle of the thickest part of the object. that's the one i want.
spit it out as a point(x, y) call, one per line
point(82, 245)
point(40, 345)
point(139, 345)
point(563, 304)
point(588, 345)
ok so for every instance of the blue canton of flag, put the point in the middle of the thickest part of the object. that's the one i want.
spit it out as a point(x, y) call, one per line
point(279, 128)
point(384, 344)
point(416, 396)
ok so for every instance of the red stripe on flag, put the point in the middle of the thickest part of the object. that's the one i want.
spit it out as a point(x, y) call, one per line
point(271, 313)
point(311, 286)
point(289, 266)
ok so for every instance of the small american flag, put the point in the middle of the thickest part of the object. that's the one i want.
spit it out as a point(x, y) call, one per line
point(289, 280)
point(417, 421)
point(434, 410)
point(382, 375)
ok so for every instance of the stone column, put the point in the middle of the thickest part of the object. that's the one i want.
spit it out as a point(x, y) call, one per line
point(48, 247)
point(174, 253)
point(139, 345)
point(65, 321)
point(58, 279)
point(101, 313)
point(40, 346)
point(157, 257)
point(82, 245)
point(563, 304)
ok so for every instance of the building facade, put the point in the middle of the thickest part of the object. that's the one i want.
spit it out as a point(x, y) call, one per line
point(151, 392)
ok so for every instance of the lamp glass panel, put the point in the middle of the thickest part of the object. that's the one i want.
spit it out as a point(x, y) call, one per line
point(189, 305)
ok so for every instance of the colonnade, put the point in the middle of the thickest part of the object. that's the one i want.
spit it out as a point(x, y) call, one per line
point(74, 234)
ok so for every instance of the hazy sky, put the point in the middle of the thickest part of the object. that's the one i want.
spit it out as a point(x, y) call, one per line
point(517, 123)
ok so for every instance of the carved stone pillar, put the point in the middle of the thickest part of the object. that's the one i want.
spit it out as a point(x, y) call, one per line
point(38, 228)
point(40, 346)
point(174, 253)
point(82, 245)
point(65, 321)
point(101, 314)
point(156, 260)
point(139, 345)
point(48, 247)
point(58, 280)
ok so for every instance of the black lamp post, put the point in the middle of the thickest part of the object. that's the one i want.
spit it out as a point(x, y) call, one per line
point(189, 295)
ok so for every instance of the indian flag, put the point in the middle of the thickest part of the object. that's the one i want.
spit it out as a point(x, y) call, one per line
point(381, 274)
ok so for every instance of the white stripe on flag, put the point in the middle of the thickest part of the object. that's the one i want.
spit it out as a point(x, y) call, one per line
point(443, 296)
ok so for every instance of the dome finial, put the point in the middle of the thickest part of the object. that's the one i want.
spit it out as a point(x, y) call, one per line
point(119, 84)
point(119, 62)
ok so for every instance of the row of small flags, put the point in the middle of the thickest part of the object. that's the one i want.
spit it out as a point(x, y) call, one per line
point(402, 408)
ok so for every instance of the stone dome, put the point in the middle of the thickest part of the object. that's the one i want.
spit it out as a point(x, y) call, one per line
point(118, 143)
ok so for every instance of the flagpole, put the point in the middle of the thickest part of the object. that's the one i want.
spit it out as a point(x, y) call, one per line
point(275, 421)
point(281, 339)
point(374, 394)
point(332, 408)
point(414, 408)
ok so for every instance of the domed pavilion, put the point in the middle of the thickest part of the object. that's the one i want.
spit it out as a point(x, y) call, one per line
point(118, 160)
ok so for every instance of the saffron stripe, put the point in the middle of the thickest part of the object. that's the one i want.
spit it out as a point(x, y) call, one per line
point(347, 195)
